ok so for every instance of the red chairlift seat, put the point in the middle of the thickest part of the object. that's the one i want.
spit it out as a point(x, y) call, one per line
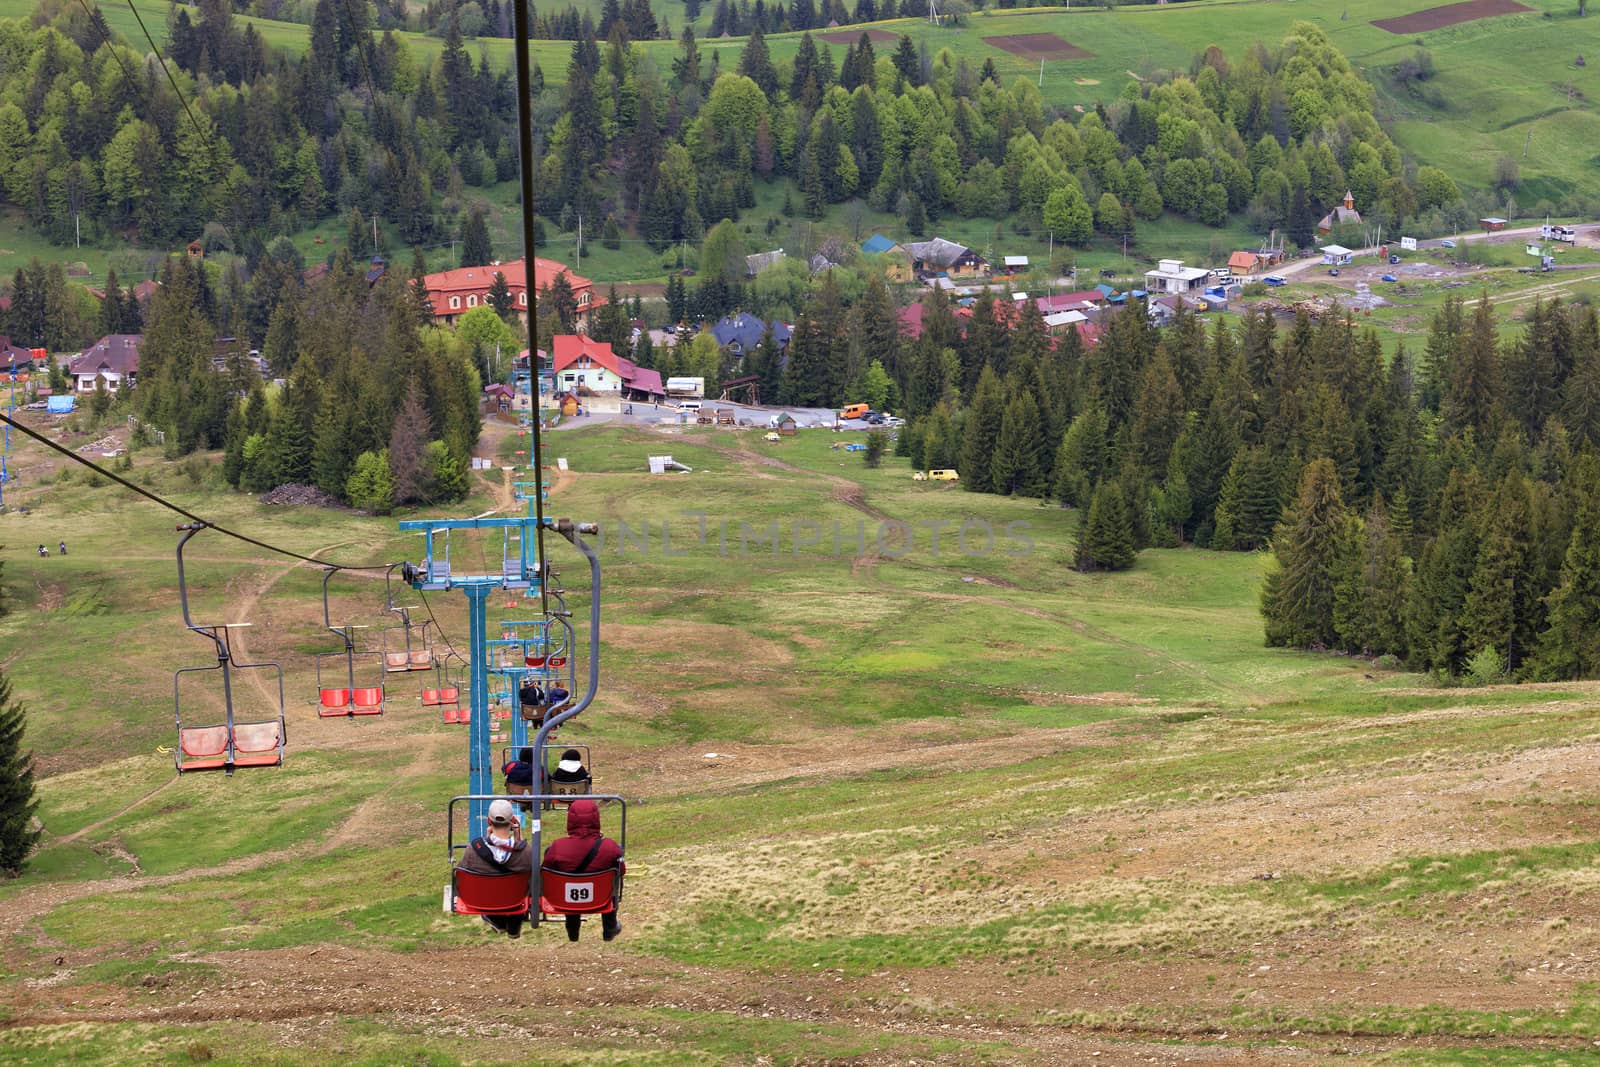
point(202, 748)
point(450, 694)
point(591, 893)
point(430, 698)
point(333, 702)
point(421, 660)
point(367, 700)
point(455, 715)
point(489, 894)
point(257, 744)
point(396, 661)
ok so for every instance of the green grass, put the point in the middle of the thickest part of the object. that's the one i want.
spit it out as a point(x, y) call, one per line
point(948, 775)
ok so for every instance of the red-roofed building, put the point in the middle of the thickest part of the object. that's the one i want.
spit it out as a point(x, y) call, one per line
point(911, 321)
point(453, 293)
point(590, 366)
point(1079, 301)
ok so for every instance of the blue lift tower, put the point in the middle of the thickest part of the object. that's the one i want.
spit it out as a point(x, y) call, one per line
point(521, 569)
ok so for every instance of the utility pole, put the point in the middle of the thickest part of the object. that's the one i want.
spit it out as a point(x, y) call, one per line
point(1041, 72)
point(580, 242)
point(374, 234)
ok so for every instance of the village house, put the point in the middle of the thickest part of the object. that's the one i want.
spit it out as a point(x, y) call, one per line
point(1345, 213)
point(1336, 255)
point(1244, 263)
point(762, 261)
point(739, 333)
point(583, 366)
point(1171, 276)
point(113, 359)
point(897, 261)
point(453, 293)
point(939, 256)
point(14, 357)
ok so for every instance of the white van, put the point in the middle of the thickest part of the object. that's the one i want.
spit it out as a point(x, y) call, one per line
point(688, 405)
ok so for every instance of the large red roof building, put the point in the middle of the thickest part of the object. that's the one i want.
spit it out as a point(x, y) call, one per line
point(453, 293)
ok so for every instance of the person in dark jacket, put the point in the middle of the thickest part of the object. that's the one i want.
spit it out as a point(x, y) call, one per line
point(584, 849)
point(519, 777)
point(570, 771)
point(501, 850)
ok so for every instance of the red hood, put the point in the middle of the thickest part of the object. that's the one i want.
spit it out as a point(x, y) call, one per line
point(583, 819)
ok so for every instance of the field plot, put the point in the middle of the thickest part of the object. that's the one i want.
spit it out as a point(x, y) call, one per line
point(1038, 46)
point(852, 36)
point(1437, 18)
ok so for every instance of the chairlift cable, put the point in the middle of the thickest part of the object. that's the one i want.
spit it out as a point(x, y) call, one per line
point(103, 472)
point(105, 35)
point(522, 31)
point(172, 80)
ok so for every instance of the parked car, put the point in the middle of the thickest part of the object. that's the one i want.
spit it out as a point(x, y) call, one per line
point(771, 436)
point(1390, 278)
point(1273, 280)
point(1447, 244)
point(1333, 272)
point(874, 419)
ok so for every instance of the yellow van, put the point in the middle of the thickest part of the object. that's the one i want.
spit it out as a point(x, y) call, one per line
point(855, 411)
point(943, 476)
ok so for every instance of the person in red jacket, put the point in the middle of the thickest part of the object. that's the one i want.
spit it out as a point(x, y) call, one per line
point(583, 850)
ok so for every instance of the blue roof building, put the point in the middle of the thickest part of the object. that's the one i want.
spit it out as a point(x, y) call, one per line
point(740, 333)
point(876, 243)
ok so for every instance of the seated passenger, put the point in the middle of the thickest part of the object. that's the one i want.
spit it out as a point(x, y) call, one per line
point(584, 850)
point(532, 698)
point(570, 771)
point(519, 777)
point(501, 850)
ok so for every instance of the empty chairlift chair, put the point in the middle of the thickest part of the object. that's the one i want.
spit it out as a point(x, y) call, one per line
point(232, 743)
point(338, 695)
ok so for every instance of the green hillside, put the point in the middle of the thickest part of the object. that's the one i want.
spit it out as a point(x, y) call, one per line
point(1499, 79)
point(965, 807)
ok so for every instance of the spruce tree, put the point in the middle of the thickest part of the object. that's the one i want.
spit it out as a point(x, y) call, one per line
point(500, 297)
point(1472, 396)
point(1247, 505)
point(1434, 628)
point(1081, 459)
point(1016, 466)
point(982, 435)
point(17, 802)
point(475, 248)
point(1313, 546)
point(1106, 537)
point(1503, 593)
point(1570, 644)
point(1370, 604)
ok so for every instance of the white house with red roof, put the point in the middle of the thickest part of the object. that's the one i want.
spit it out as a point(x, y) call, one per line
point(453, 293)
point(583, 365)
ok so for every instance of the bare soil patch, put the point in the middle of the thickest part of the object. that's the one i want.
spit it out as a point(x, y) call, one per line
point(1437, 18)
point(852, 36)
point(1038, 46)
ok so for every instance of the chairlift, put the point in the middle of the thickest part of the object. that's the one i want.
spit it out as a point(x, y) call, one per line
point(568, 790)
point(406, 645)
point(446, 692)
point(558, 893)
point(231, 743)
point(347, 699)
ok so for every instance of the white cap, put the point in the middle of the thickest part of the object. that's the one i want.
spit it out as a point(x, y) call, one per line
point(501, 813)
point(570, 765)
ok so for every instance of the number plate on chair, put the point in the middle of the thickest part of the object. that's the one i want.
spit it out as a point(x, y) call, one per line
point(580, 893)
